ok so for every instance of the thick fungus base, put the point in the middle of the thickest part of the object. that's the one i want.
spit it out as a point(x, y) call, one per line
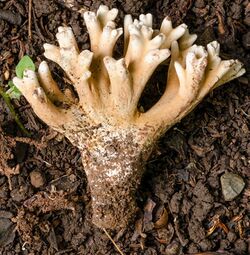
point(114, 206)
point(114, 173)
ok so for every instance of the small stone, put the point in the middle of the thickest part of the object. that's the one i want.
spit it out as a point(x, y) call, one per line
point(36, 179)
point(232, 185)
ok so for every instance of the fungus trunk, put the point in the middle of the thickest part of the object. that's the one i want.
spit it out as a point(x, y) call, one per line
point(114, 174)
point(113, 183)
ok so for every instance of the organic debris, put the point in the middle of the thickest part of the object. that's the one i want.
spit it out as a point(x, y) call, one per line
point(49, 202)
point(162, 218)
point(5, 156)
point(215, 224)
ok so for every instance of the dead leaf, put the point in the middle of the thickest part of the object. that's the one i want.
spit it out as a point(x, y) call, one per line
point(163, 220)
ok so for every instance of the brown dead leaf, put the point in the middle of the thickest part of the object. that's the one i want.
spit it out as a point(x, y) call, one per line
point(163, 219)
point(217, 223)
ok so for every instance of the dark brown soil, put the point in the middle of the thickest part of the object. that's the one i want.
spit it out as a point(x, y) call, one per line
point(180, 197)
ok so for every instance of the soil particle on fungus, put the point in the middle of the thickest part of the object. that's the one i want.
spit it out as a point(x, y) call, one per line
point(183, 174)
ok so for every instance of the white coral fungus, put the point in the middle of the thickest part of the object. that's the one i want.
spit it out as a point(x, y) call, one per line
point(103, 121)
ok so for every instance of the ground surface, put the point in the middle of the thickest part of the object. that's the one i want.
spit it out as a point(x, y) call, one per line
point(44, 198)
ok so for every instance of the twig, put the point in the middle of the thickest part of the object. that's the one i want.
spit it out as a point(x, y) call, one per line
point(38, 144)
point(30, 20)
point(13, 113)
point(110, 238)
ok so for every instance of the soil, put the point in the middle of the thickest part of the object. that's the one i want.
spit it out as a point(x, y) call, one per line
point(182, 209)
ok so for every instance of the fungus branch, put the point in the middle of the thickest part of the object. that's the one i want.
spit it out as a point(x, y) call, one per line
point(114, 137)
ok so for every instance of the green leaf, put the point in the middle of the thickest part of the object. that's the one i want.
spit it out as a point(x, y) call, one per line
point(13, 92)
point(25, 63)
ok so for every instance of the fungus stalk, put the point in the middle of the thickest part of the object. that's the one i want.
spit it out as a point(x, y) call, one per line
point(115, 139)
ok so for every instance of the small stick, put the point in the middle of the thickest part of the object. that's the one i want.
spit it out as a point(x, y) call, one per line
point(12, 111)
point(110, 238)
point(30, 20)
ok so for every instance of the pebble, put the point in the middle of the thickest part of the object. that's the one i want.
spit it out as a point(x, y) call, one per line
point(36, 179)
point(232, 185)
